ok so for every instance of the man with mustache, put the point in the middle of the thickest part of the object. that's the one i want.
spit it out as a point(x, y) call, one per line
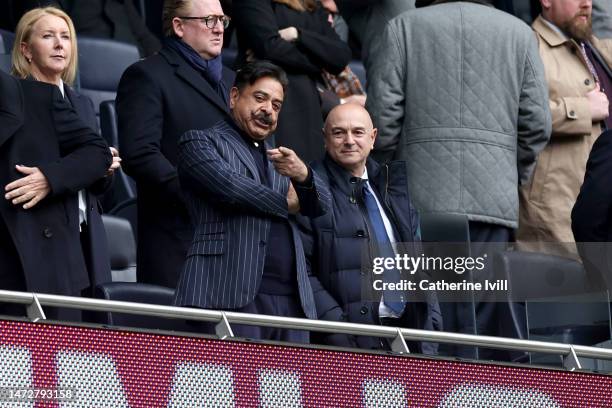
point(577, 69)
point(246, 254)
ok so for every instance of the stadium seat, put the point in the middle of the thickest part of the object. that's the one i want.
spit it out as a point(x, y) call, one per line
point(101, 64)
point(537, 286)
point(142, 293)
point(123, 187)
point(7, 38)
point(127, 210)
point(5, 63)
point(108, 123)
point(121, 248)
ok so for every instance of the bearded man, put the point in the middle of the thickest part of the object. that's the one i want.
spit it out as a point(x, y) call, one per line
point(577, 69)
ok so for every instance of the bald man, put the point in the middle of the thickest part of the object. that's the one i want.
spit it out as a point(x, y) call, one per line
point(371, 205)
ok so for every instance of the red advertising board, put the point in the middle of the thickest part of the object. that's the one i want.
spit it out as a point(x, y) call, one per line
point(43, 365)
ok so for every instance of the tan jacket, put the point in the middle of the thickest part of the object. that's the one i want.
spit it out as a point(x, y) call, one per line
point(546, 202)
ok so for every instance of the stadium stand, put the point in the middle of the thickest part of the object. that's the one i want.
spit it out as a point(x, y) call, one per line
point(6, 39)
point(534, 281)
point(101, 64)
point(5, 63)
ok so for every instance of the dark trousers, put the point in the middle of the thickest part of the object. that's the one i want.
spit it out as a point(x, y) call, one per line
point(480, 316)
point(274, 305)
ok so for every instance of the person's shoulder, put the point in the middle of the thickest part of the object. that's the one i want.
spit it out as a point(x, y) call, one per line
point(36, 90)
point(152, 65)
point(219, 128)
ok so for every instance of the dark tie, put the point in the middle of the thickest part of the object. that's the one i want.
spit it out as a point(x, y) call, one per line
point(394, 300)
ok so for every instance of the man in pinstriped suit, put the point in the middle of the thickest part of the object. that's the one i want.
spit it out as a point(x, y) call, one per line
point(246, 253)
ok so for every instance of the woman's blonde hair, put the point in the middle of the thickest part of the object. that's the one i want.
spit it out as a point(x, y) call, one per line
point(20, 66)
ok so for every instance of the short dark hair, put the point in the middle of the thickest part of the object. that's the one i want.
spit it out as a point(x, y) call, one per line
point(251, 72)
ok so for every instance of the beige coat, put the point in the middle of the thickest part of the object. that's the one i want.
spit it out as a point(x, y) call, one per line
point(546, 202)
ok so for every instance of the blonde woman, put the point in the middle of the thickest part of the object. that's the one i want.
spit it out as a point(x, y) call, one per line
point(45, 50)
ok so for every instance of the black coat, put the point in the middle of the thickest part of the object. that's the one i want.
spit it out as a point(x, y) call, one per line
point(96, 245)
point(334, 244)
point(158, 100)
point(38, 128)
point(318, 47)
point(592, 213)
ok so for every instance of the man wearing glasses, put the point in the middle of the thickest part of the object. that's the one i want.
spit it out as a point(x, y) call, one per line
point(183, 87)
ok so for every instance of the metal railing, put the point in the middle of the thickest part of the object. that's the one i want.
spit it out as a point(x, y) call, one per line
point(224, 320)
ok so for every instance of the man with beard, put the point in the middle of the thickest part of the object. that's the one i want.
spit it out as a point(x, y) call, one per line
point(246, 254)
point(577, 69)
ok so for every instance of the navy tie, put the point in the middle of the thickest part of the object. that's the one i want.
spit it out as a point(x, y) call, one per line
point(394, 300)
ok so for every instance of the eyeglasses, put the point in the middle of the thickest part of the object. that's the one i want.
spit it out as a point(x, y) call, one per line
point(211, 21)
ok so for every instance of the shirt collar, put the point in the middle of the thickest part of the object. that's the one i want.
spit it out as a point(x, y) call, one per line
point(61, 88)
point(555, 29)
point(365, 173)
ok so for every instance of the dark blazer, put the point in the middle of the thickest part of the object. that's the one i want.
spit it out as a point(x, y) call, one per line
point(38, 128)
point(158, 100)
point(592, 213)
point(318, 47)
point(232, 209)
point(96, 251)
point(334, 245)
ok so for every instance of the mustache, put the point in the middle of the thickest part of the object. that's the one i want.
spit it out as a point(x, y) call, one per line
point(263, 117)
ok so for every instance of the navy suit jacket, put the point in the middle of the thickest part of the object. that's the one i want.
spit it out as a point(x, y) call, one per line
point(231, 210)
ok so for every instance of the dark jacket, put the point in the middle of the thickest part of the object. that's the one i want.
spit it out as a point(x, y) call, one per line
point(234, 209)
point(318, 47)
point(158, 100)
point(592, 213)
point(334, 245)
point(96, 250)
point(38, 128)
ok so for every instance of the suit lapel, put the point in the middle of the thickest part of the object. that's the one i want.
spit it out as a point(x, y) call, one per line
point(242, 151)
point(189, 75)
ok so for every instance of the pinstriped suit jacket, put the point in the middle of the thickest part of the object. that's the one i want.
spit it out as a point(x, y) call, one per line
point(231, 211)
